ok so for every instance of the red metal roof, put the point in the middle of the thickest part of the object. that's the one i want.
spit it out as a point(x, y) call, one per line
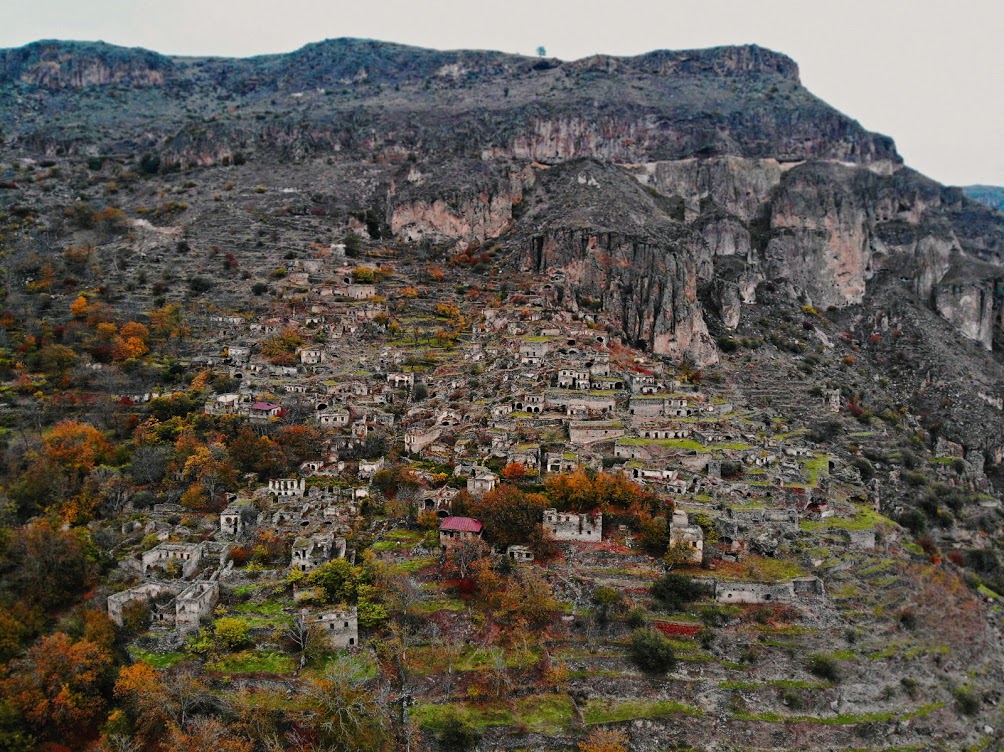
point(461, 524)
point(263, 406)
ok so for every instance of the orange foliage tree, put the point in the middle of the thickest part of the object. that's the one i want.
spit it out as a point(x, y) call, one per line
point(58, 687)
point(511, 516)
point(514, 471)
point(76, 447)
point(586, 491)
point(144, 699)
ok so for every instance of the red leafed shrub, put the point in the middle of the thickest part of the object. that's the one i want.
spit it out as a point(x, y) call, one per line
point(672, 629)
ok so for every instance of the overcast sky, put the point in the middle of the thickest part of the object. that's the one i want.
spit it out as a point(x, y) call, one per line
point(926, 72)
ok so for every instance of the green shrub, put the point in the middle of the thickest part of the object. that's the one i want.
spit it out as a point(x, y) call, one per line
point(636, 618)
point(674, 591)
point(824, 667)
point(232, 633)
point(200, 285)
point(967, 701)
point(651, 652)
point(727, 344)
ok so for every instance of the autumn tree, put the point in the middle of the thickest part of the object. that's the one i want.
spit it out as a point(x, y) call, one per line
point(462, 554)
point(168, 322)
point(58, 687)
point(157, 704)
point(279, 349)
point(522, 598)
point(514, 471)
point(337, 578)
point(303, 638)
point(76, 447)
point(251, 453)
point(527, 598)
point(208, 466)
point(19, 622)
point(512, 517)
point(44, 565)
point(585, 490)
point(298, 444)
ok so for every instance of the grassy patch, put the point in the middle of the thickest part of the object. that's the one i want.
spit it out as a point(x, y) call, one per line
point(411, 537)
point(431, 717)
point(546, 713)
point(612, 711)
point(783, 683)
point(255, 662)
point(413, 565)
point(754, 568)
point(844, 719)
point(440, 604)
point(362, 664)
point(864, 519)
point(815, 467)
point(984, 590)
point(266, 608)
point(157, 660)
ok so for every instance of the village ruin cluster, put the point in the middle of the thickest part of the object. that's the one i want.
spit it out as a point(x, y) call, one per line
point(396, 404)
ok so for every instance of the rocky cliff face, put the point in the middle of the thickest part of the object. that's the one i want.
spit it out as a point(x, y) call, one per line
point(752, 167)
point(607, 244)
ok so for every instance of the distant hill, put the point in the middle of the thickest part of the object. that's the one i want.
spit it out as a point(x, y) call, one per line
point(991, 195)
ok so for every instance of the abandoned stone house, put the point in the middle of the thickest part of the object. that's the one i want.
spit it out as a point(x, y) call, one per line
point(401, 380)
point(339, 627)
point(765, 592)
point(527, 456)
point(573, 378)
point(171, 604)
point(418, 439)
point(646, 407)
point(519, 554)
point(453, 530)
point(309, 552)
point(641, 473)
point(533, 353)
point(561, 462)
point(188, 555)
point(589, 431)
point(530, 403)
point(569, 526)
point(481, 483)
point(230, 521)
point(369, 468)
point(194, 603)
point(237, 353)
point(665, 432)
point(684, 536)
point(439, 501)
point(223, 404)
point(605, 382)
point(143, 593)
point(286, 486)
